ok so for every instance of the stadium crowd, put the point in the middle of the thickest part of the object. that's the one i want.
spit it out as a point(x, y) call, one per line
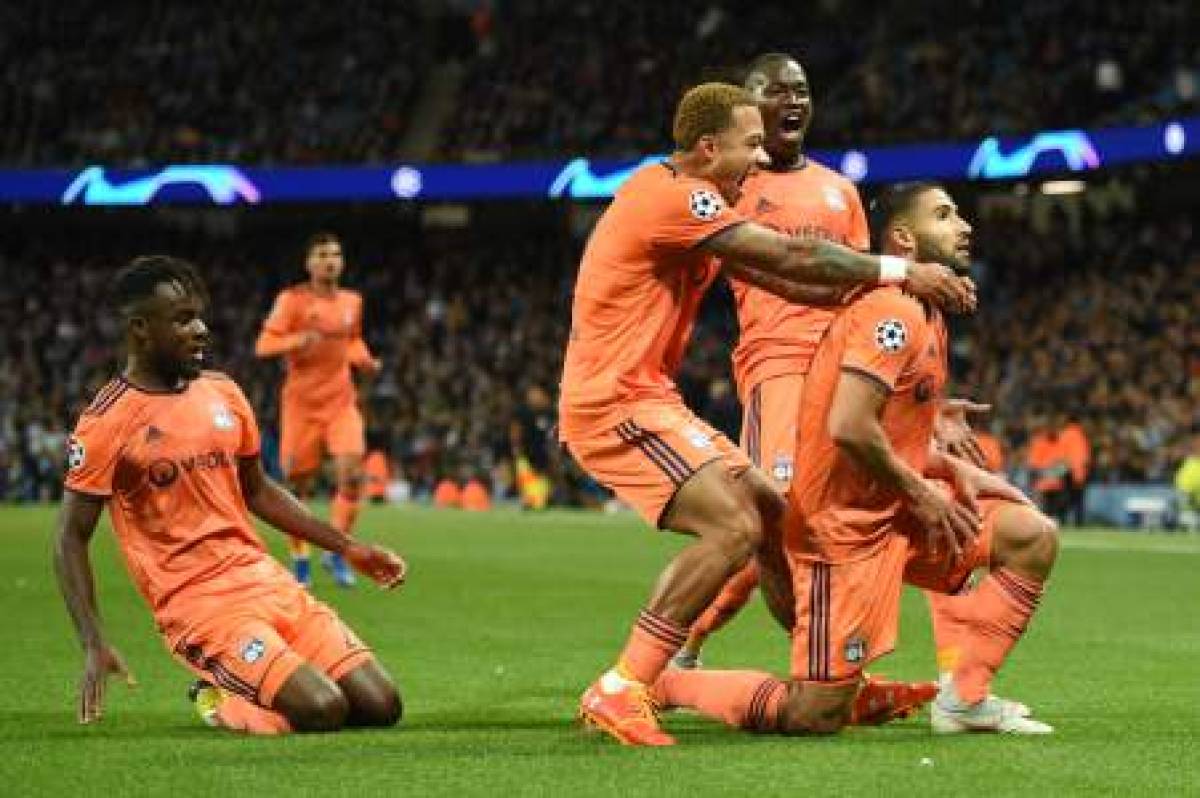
point(1098, 325)
point(590, 77)
point(148, 83)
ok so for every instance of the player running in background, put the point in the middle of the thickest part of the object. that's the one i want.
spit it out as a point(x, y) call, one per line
point(778, 339)
point(870, 515)
point(317, 328)
point(173, 451)
point(644, 271)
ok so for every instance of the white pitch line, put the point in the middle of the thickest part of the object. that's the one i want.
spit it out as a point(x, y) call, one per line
point(1067, 541)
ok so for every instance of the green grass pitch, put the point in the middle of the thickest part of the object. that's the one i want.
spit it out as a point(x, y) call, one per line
point(508, 616)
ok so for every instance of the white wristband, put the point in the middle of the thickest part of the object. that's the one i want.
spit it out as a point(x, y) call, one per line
point(892, 270)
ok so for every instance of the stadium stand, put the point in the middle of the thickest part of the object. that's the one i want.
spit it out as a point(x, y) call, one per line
point(149, 83)
point(591, 79)
point(1098, 324)
point(87, 82)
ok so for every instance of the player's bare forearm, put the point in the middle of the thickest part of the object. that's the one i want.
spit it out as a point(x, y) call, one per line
point(276, 505)
point(855, 427)
point(73, 568)
point(826, 263)
point(868, 447)
point(274, 344)
point(800, 294)
point(795, 260)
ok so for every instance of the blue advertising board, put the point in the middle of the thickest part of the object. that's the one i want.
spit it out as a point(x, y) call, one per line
point(1052, 152)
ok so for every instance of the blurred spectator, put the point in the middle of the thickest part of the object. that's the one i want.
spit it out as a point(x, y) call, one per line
point(1058, 459)
point(530, 433)
point(1187, 478)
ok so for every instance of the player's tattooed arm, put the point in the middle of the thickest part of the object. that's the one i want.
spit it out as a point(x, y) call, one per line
point(794, 260)
point(276, 505)
point(77, 521)
point(809, 261)
point(854, 425)
point(798, 293)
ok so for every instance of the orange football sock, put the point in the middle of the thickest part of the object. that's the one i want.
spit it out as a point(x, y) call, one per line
point(652, 642)
point(743, 699)
point(948, 628)
point(344, 512)
point(998, 613)
point(729, 601)
point(238, 714)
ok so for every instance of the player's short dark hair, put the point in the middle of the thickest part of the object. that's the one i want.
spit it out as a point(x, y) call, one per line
point(707, 110)
point(893, 202)
point(320, 237)
point(762, 64)
point(139, 279)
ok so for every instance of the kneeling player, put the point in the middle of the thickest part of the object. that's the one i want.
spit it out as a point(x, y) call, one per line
point(173, 451)
point(869, 515)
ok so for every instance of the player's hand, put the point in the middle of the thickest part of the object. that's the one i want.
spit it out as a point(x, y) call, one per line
point(940, 285)
point(954, 434)
point(972, 483)
point(949, 525)
point(100, 662)
point(378, 564)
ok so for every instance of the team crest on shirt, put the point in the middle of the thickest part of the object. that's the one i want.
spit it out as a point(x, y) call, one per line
point(891, 335)
point(834, 198)
point(76, 454)
point(253, 651)
point(222, 418)
point(783, 468)
point(705, 204)
point(856, 650)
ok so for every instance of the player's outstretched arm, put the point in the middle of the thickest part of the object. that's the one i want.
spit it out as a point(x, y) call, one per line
point(797, 293)
point(76, 524)
point(271, 502)
point(854, 424)
point(808, 261)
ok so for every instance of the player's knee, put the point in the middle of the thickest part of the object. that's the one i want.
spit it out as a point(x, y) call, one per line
point(381, 709)
point(322, 710)
point(1029, 542)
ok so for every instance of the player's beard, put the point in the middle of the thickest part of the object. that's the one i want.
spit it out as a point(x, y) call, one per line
point(949, 256)
point(176, 366)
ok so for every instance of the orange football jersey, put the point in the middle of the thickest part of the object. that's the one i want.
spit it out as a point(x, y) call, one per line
point(166, 464)
point(640, 284)
point(778, 337)
point(891, 338)
point(318, 376)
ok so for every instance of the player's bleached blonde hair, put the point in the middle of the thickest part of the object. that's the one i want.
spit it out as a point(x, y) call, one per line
point(706, 110)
